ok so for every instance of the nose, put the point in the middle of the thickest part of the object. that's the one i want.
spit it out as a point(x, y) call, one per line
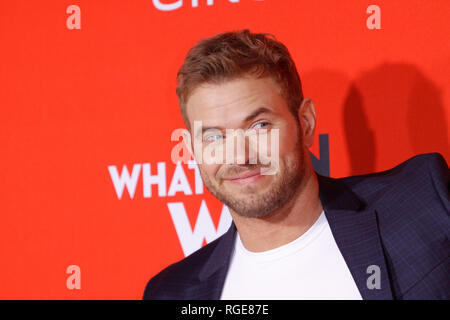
point(241, 148)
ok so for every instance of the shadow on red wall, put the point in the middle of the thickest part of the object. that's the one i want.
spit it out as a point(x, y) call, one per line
point(392, 109)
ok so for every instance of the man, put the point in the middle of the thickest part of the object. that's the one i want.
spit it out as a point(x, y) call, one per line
point(297, 234)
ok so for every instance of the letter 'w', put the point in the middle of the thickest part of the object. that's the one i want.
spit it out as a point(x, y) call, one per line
point(204, 228)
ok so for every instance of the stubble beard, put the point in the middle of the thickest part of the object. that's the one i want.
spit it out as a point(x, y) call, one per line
point(253, 204)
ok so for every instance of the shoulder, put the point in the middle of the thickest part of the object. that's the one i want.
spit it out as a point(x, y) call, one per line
point(424, 177)
point(172, 280)
point(412, 206)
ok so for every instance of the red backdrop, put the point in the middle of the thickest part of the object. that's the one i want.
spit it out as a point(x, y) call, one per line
point(75, 102)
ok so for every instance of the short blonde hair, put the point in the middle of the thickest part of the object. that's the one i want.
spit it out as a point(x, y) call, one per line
point(231, 55)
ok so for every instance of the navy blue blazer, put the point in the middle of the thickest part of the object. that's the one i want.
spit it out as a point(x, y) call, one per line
point(396, 219)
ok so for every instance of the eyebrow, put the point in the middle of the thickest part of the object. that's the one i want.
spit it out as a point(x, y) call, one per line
point(256, 113)
point(250, 117)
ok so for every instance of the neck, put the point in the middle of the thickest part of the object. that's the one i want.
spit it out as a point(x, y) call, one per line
point(285, 224)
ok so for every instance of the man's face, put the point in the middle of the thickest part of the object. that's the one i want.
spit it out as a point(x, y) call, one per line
point(248, 103)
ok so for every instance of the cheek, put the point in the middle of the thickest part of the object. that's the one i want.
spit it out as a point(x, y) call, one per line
point(287, 141)
point(288, 145)
point(209, 171)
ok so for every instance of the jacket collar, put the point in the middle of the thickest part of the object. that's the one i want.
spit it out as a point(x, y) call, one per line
point(220, 257)
point(212, 275)
point(355, 229)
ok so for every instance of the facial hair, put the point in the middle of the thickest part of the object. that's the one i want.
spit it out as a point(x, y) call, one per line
point(253, 204)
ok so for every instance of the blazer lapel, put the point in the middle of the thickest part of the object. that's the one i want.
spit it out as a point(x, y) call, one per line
point(355, 229)
point(212, 275)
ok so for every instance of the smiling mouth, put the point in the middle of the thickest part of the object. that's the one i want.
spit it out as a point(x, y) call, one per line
point(246, 177)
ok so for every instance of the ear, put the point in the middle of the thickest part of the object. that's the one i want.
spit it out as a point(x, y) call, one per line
point(307, 117)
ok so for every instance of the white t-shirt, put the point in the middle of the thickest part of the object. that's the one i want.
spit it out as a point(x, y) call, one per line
point(310, 267)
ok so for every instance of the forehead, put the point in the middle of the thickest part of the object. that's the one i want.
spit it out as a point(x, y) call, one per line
point(229, 102)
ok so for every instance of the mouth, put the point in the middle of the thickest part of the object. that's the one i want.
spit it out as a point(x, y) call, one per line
point(246, 177)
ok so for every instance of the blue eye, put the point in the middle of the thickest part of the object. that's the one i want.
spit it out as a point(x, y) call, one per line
point(213, 137)
point(261, 125)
